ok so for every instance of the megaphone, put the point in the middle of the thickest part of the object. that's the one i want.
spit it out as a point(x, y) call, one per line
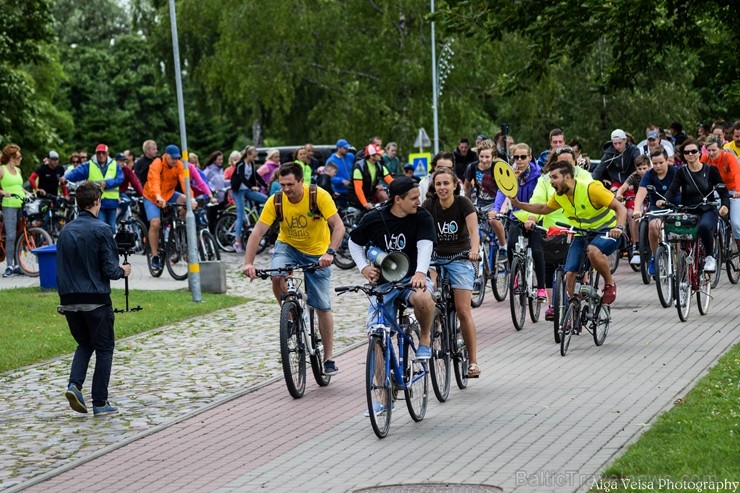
point(393, 266)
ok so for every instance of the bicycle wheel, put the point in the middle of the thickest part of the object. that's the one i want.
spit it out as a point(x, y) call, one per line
point(440, 367)
point(518, 296)
point(500, 279)
point(26, 242)
point(601, 324)
point(644, 252)
point(139, 229)
point(459, 351)
point(58, 221)
point(732, 260)
point(176, 254)
point(207, 248)
point(719, 241)
point(663, 276)
point(342, 257)
point(415, 377)
point(378, 387)
point(292, 352)
point(559, 301)
point(148, 253)
point(481, 279)
point(569, 325)
point(703, 295)
point(317, 358)
point(535, 305)
point(682, 287)
point(226, 232)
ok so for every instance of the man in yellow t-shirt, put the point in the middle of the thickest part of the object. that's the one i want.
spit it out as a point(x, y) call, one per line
point(304, 238)
point(588, 206)
point(734, 144)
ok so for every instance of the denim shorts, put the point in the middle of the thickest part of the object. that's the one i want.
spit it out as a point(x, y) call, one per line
point(389, 309)
point(607, 246)
point(460, 274)
point(318, 282)
point(153, 211)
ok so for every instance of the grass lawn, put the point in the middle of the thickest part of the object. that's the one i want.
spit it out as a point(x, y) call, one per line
point(31, 330)
point(697, 440)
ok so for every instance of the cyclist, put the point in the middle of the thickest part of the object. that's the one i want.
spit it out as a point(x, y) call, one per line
point(660, 176)
point(527, 173)
point(626, 193)
point(696, 180)
point(366, 188)
point(618, 162)
point(246, 184)
point(457, 231)
point(46, 179)
point(729, 168)
point(426, 184)
point(304, 238)
point(401, 226)
point(479, 177)
point(164, 175)
point(589, 206)
point(11, 183)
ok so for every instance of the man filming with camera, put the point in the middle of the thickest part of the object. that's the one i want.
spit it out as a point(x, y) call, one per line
point(86, 262)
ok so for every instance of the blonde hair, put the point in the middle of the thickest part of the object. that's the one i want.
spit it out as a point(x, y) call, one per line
point(234, 157)
point(485, 145)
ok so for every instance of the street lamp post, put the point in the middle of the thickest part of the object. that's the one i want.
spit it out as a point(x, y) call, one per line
point(435, 97)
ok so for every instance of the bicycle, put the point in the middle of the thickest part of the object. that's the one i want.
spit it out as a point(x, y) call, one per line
point(207, 246)
point(729, 253)
point(173, 245)
point(342, 258)
point(127, 220)
point(489, 267)
point(585, 309)
point(448, 344)
point(226, 228)
point(522, 288)
point(29, 238)
point(663, 260)
point(386, 375)
point(298, 333)
point(47, 212)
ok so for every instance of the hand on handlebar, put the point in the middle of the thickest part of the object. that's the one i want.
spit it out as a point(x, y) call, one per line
point(419, 281)
point(723, 211)
point(250, 271)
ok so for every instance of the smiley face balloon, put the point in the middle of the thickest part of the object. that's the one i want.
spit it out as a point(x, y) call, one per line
point(505, 179)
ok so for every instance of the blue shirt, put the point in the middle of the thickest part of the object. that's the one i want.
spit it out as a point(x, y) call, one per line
point(344, 171)
point(661, 186)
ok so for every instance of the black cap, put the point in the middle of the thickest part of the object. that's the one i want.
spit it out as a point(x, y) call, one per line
point(120, 157)
point(401, 185)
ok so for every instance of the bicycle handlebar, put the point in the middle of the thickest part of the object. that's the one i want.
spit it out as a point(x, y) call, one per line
point(288, 269)
point(585, 232)
point(371, 290)
point(537, 227)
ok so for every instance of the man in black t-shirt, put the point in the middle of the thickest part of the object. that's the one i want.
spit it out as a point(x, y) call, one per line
point(401, 226)
point(45, 179)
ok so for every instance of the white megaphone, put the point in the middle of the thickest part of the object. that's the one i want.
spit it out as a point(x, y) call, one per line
point(393, 266)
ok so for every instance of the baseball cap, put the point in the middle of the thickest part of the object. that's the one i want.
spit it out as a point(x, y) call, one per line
point(173, 151)
point(408, 166)
point(53, 155)
point(481, 137)
point(120, 157)
point(101, 148)
point(372, 149)
point(619, 134)
point(653, 135)
point(343, 143)
point(401, 185)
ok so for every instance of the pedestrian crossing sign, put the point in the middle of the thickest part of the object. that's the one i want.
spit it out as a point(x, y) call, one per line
point(422, 162)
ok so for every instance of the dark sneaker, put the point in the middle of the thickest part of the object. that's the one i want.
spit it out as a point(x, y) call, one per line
point(104, 410)
point(610, 294)
point(330, 368)
point(76, 401)
point(17, 271)
point(501, 255)
point(8, 272)
point(424, 352)
point(550, 313)
point(156, 264)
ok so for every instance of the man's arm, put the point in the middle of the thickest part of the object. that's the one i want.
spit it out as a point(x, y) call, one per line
point(251, 250)
point(621, 211)
point(533, 208)
point(337, 235)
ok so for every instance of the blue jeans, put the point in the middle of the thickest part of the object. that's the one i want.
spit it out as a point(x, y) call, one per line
point(318, 282)
point(607, 246)
point(108, 216)
point(389, 308)
point(93, 332)
point(239, 197)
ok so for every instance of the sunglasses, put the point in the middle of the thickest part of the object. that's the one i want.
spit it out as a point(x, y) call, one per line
point(524, 156)
point(691, 151)
point(561, 150)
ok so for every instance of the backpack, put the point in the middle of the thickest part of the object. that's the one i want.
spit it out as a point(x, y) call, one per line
point(313, 208)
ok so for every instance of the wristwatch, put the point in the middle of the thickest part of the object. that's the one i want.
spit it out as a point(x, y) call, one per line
point(620, 227)
point(330, 251)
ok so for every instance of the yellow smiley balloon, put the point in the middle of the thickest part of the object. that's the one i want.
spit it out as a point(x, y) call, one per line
point(505, 179)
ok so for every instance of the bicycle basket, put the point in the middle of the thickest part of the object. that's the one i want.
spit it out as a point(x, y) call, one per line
point(555, 248)
point(679, 227)
point(33, 207)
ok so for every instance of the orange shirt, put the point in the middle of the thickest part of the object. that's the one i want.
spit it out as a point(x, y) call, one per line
point(729, 168)
point(162, 180)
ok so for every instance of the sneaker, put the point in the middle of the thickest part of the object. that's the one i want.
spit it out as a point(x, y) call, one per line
point(17, 271)
point(104, 410)
point(502, 255)
point(8, 272)
point(238, 247)
point(610, 294)
point(330, 368)
point(379, 408)
point(550, 313)
point(156, 264)
point(76, 401)
point(651, 267)
point(710, 265)
point(635, 258)
point(541, 294)
point(424, 352)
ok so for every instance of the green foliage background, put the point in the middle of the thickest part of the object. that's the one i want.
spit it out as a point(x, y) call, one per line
point(73, 74)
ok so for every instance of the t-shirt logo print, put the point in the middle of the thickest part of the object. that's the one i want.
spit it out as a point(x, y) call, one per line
point(297, 226)
point(395, 242)
point(447, 231)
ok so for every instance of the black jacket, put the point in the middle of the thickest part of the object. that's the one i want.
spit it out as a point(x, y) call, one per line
point(240, 177)
point(617, 166)
point(87, 260)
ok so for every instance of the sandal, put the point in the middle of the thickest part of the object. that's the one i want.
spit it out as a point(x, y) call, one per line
point(473, 371)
